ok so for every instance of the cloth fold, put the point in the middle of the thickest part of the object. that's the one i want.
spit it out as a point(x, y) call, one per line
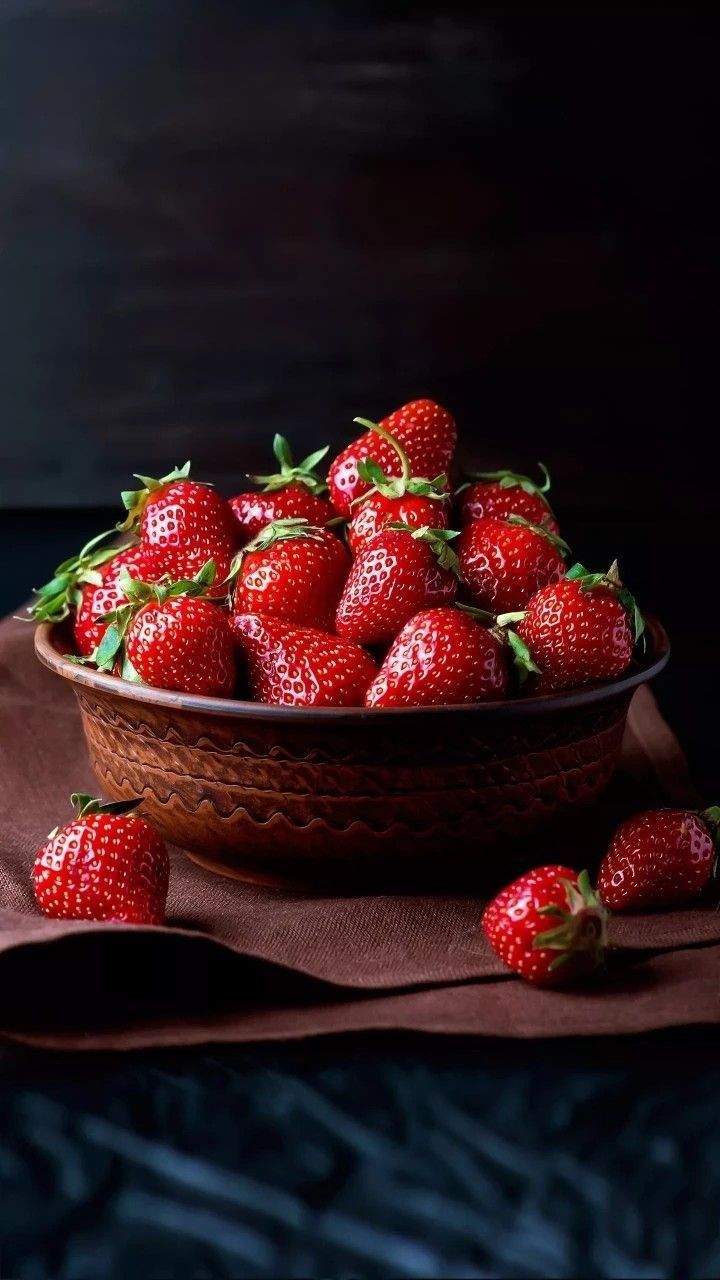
point(237, 962)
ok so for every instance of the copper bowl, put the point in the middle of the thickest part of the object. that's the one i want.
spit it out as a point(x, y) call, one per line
point(288, 796)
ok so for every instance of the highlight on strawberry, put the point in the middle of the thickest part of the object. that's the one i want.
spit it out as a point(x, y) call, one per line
point(406, 499)
point(396, 574)
point(579, 630)
point(295, 666)
point(295, 490)
point(660, 858)
point(171, 635)
point(549, 926)
point(181, 523)
point(505, 493)
point(106, 864)
point(426, 432)
point(291, 570)
point(504, 562)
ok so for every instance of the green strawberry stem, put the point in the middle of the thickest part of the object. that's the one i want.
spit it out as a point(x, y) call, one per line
point(62, 593)
point(480, 615)
point(84, 805)
point(396, 486)
point(437, 540)
point(513, 480)
point(138, 594)
point(553, 538)
point(134, 500)
point(711, 818)
point(523, 660)
point(293, 528)
point(303, 472)
point(582, 927)
point(612, 582)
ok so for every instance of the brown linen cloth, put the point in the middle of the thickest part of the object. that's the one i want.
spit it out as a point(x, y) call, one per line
point(238, 962)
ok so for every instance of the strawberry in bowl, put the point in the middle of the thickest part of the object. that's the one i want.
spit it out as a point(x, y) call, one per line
point(500, 494)
point(295, 491)
point(425, 431)
point(291, 570)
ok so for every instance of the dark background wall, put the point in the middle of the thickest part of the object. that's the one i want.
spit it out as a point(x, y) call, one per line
point(222, 218)
point(219, 219)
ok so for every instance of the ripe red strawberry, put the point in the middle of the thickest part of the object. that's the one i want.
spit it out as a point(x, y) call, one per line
point(440, 657)
point(426, 432)
point(293, 491)
point(404, 499)
point(581, 629)
point(300, 666)
point(294, 571)
point(172, 636)
point(104, 865)
point(183, 524)
point(548, 925)
point(75, 582)
point(398, 573)
point(504, 562)
point(505, 493)
point(98, 600)
point(660, 858)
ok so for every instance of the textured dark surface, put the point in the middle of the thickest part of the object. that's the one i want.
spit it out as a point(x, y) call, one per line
point(378, 1159)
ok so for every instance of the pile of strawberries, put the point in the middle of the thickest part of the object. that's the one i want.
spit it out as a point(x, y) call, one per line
point(349, 591)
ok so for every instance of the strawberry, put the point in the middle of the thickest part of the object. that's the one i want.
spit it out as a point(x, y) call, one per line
point(660, 858)
point(504, 562)
point(405, 499)
point(300, 666)
point(580, 630)
point(548, 925)
point(183, 524)
point(440, 657)
point(104, 865)
point(65, 592)
point(98, 600)
point(292, 491)
point(505, 493)
point(172, 637)
point(424, 429)
point(294, 571)
point(397, 573)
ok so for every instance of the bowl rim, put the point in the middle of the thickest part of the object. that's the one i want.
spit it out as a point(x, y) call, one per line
point(48, 652)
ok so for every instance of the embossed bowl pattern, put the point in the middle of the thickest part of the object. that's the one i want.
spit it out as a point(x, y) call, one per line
point(292, 796)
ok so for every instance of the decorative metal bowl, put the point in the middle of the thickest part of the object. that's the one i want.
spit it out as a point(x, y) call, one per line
point(328, 796)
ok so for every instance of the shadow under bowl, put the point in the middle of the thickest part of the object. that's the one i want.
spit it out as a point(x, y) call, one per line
point(328, 797)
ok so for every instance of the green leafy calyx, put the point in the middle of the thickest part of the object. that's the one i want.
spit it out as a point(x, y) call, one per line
point(85, 805)
point(292, 528)
point(554, 539)
point(711, 818)
point(63, 592)
point(134, 500)
point(611, 581)
point(523, 660)
point(300, 473)
point(582, 924)
point(514, 480)
point(119, 620)
point(396, 486)
point(437, 539)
